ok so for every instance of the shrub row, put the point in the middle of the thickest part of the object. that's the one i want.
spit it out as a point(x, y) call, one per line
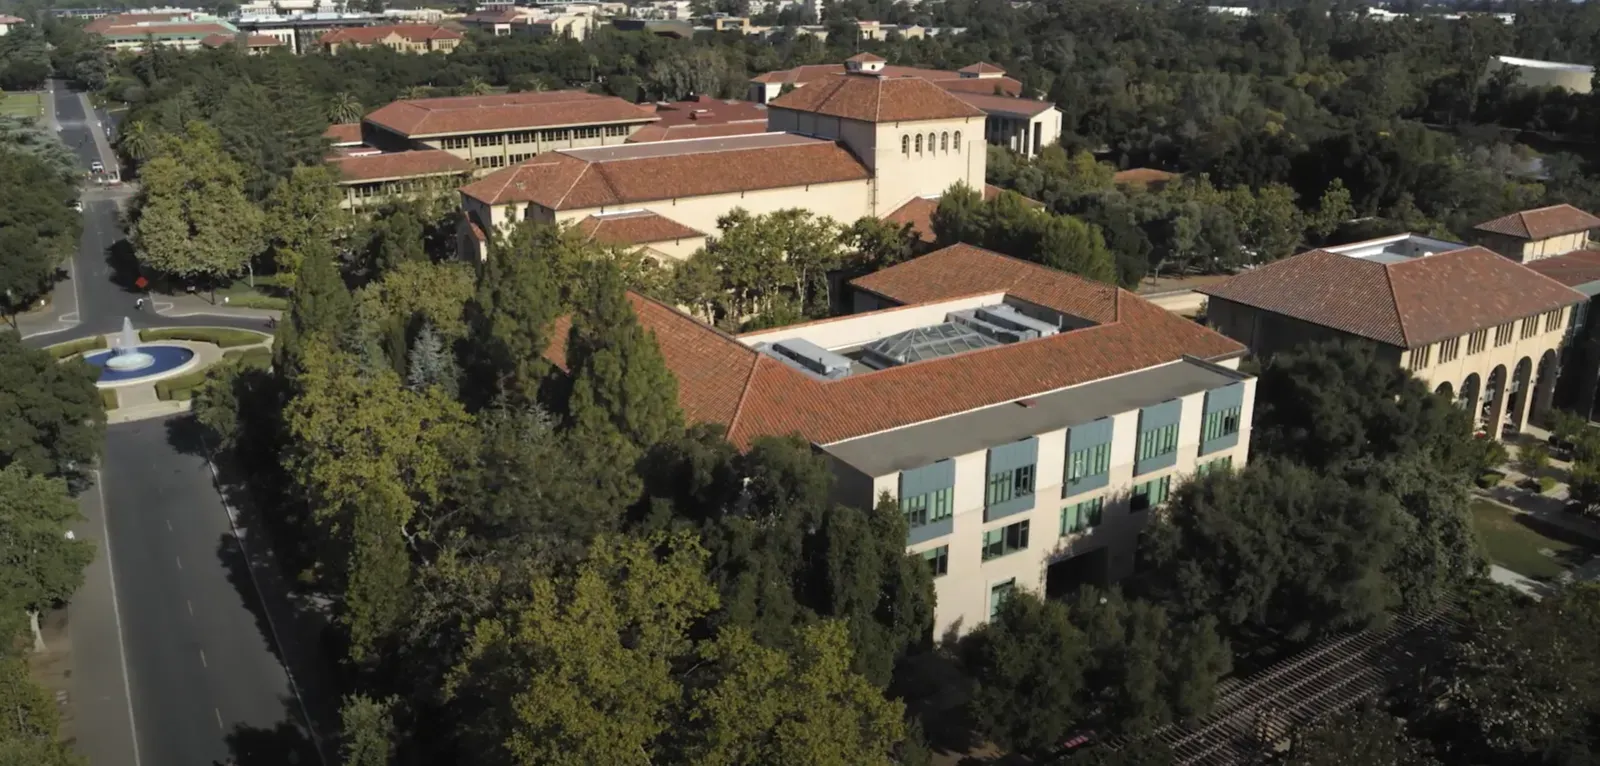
point(225, 337)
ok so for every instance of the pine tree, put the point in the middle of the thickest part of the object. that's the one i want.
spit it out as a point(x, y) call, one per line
point(624, 399)
point(320, 304)
point(518, 300)
point(429, 364)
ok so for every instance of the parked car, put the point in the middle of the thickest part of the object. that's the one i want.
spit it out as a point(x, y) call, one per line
point(97, 167)
point(77, 205)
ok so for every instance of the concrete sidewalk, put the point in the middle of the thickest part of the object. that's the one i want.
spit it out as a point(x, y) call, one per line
point(192, 305)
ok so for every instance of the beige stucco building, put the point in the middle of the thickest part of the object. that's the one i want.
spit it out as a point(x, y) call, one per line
point(859, 145)
point(1540, 233)
point(404, 38)
point(1028, 422)
point(1473, 325)
point(368, 180)
point(503, 130)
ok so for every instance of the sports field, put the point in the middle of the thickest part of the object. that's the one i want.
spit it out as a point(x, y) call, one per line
point(25, 104)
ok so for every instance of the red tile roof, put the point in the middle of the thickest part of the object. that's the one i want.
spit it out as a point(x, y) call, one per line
point(105, 23)
point(1542, 223)
point(395, 165)
point(919, 212)
point(721, 380)
point(1408, 304)
point(343, 133)
point(809, 73)
point(982, 67)
point(4, 19)
point(1579, 267)
point(372, 35)
point(867, 58)
point(509, 111)
point(637, 228)
point(576, 179)
point(870, 98)
point(159, 30)
point(705, 110)
point(991, 103)
point(651, 133)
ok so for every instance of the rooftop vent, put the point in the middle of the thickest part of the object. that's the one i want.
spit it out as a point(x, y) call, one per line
point(1002, 323)
point(810, 357)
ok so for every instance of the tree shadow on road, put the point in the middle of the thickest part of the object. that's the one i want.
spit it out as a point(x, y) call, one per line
point(124, 265)
point(187, 436)
point(288, 743)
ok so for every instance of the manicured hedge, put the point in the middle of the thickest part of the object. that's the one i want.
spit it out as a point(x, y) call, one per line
point(226, 337)
point(64, 350)
point(259, 358)
point(180, 387)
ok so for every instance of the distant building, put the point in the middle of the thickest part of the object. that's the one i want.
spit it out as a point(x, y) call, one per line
point(1475, 326)
point(507, 129)
point(703, 117)
point(1531, 235)
point(373, 179)
point(1028, 422)
point(8, 22)
point(255, 45)
point(1024, 125)
point(1578, 78)
point(404, 38)
point(1576, 388)
point(497, 22)
point(179, 29)
point(300, 31)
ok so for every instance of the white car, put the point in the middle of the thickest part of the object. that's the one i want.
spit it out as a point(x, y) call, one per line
point(77, 205)
point(97, 167)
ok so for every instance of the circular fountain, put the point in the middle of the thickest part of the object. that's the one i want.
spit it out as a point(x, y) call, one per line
point(127, 361)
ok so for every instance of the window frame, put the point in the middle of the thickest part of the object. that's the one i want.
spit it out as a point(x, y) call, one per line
point(938, 558)
point(1156, 442)
point(1085, 515)
point(1004, 541)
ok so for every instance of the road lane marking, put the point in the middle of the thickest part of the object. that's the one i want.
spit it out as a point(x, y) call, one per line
point(220, 727)
point(203, 659)
point(180, 561)
point(116, 613)
point(190, 604)
point(169, 525)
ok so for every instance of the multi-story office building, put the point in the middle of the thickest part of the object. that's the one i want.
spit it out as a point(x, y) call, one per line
point(373, 179)
point(1473, 325)
point(299, 31)
point(179, 29)
point(1027, 421)
point(504, 130)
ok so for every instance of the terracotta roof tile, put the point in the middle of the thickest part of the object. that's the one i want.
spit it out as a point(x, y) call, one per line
point(919, 212)
point(870, 98)
point(982, 67)
point(160, 30)
point(991, 104)
point(1579, 267)
point(371, 35)
point(809, 73)
point(867, 58)
point(509, 111)
point(4, 19)
point(104, 23)
point(1407, 304)
point(380, 167)
point(704, 110)
point(343, 133)
point(576, 179)
point(651, 133)
point(1541, 223)
point(637, 228)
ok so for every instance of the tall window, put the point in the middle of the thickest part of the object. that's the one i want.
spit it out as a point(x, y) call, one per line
point(1220, 423)
point(944, 142)
point(1552, 320)
point(1009, 484)
point(1530, 327)
point(938, 560)
point(927, 507)
point(1449, 350)
point(1477, 341)
point(999, 594)
point(1150, 494)
point(919, 143)
point(905, 145)
point(1087, 462)
point(1421, 357)
point(957, 138)
point(1158, 441)
point(1502, 334)
point(1080, 516)
point(1005, 540)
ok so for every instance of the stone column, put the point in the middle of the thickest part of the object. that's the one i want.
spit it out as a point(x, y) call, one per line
point(1497, 410)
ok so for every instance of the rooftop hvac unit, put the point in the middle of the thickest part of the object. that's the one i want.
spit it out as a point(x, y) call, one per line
point(992, 330)
point(813, 357)
point(1007, 316)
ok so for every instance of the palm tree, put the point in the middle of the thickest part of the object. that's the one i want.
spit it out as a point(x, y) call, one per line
point(344, 108)
point(416, 91)
point(137, 141)
point(474, 86)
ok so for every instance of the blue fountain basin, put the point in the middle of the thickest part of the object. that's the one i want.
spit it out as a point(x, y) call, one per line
point(167, 359)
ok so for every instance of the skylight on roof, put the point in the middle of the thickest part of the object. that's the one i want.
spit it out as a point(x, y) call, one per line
point(924, 343)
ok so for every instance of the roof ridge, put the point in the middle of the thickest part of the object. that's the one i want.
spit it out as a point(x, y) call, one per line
point(587, 165)
point(1394, 304)
point(744, 393)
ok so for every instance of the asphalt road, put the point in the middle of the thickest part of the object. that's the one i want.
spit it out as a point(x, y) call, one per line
point(97, 301)
point(205, 680)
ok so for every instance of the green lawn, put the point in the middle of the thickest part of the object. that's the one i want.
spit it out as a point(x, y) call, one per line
point(1523, 544)
point(23, 104)
point(267, 294)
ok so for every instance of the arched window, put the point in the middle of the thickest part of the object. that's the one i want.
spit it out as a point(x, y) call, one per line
point(958, 141)
point(919, 143)
point(944, 142)
point(930, 143)
point(905, 145)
